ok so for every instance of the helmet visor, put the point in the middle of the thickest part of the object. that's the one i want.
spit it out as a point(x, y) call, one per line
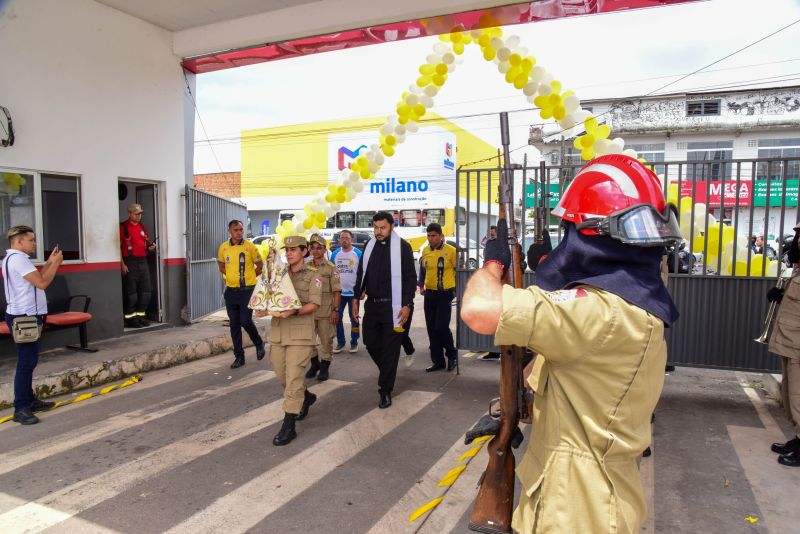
point(640, 225)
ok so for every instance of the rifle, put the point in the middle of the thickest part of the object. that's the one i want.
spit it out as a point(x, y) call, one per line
point(495, 501)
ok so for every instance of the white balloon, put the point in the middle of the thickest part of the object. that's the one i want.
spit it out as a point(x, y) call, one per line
point(328, 211)
point(512, 42)
point(358, 187)
point(448, 58)
point(567, 122)
point(400, 129)
point(314, 229)
point(531, 98)
point(503, 53)
point(375, 148)
point(521, 51)
point(434, 59)
point(620, 142)
point(354, 176)
point(387, 129)
point(476, 33)
point(545, 89)
point(530, 88)
point(412, 126)
point(299, 228)
point(538, 73)
point(414, 88)
point(496, 43)
point(431, 90)
point(601, 146)
point(400, 139)
point(379, 159)
point(496, 60)
point(440, 48)
point(503, 66)
point(335, 206)
point(630, 152)
point(373, 167)
point(451, 67)
point(426, 101)
point(580, 116)
point(572, 103)
point(412, 100)
point(392, 119)
point(613, 148)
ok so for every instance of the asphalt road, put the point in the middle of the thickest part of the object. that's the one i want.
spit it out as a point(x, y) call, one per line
point(189, 450)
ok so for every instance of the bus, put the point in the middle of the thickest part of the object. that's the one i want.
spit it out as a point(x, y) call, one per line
point(411, 217)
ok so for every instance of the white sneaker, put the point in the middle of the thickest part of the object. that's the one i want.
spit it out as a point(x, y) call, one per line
point(338, 348)
point(353, 347)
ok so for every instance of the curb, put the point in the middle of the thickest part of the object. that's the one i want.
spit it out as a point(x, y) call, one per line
point(103, 372)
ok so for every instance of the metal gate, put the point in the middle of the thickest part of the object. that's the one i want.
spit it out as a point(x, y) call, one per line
point(207, 218)
point(721, 313)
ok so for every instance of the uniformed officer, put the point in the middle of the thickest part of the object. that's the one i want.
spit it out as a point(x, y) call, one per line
point(238, 260)
point(596, 319)
point(135, 244)
point(785, 342)
point(327, 315)
point(437, 281)
point(292, 338)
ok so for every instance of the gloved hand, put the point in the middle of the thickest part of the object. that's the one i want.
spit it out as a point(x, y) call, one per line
point(774, 294)
point(489, 426)
point(497, 249)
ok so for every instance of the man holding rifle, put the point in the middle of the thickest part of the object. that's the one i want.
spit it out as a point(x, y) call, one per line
point(596, 318)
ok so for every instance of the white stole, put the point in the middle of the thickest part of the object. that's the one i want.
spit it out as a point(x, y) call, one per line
point(397, 279)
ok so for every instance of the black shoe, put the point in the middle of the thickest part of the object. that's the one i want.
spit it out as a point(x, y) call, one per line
point(287, 432)
point(324, 370)
point(435, 367)
point(793, 445)
point(792, 459)
point(307, 402)
point(669, 368)
point(451, 364)
point(312, 371)
point(386, 401)
point(238, 362)
point(25, 417)
point(142, 322)
point(490, 356)
point(133, 322)
point(39, 406)
point(410, 351)
point(647, 452)
point(260, 352)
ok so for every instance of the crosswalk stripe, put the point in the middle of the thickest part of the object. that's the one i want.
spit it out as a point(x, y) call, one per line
point(12, 460)
point(246, 506)
point(81, 525)
point(477, 354)
point(83, 495)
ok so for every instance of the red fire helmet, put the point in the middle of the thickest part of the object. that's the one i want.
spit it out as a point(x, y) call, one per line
point(602, 197)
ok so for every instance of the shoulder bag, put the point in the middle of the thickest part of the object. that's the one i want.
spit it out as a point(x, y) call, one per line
point(26, 328)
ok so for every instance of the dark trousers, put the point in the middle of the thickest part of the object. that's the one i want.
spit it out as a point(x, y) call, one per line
point(438, 309)
point(27, 359)
point(347, 301)
point(383, 343)
point(408, 345)
point(240, 316)
point(138, 288)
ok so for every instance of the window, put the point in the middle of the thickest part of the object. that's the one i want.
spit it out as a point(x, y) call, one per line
point(410, 218)
point(364, 219)
point(331, 222)
point(433, 216)
point(778, 148)
point(710, 157)
point(54, 212)
point(652, 152)
point(345, 219)
point(698, 108)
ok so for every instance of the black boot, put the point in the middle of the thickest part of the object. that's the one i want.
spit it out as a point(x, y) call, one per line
point(25, 417)
point(786, 448)
point(312, 371)
point(287, 432)
point(386, 400)
point(238, 362)
point(323, 375)
point(307, 402)
point(792, 459)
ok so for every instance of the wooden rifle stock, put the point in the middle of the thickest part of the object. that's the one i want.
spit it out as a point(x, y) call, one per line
point(494, 504)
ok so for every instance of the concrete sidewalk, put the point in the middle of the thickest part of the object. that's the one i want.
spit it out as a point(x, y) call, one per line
point(63, 371)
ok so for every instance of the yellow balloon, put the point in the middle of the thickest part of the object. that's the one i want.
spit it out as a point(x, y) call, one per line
point(329, 198)
point(587, 140)
point(288, 225)
point(438, 79)
point(685, 204)
point(422, 81)
point(540, 101)
point(458, 48)
point(698, 244)
point(521, 80)
point(307, 224)
point(332, 188)
point(419, 110)
point(553, 100)
point(441, 68)
point(672, 194)
point(426, 70)
point(512, 73)
point(281, 231)
point(364, 173)
point(528, 63)
point(590, 124)
point(403, 109)
point(489, 53)
point(403, 119)
point(391, 140)
point(603, 131)
point(559, 112)
point(757, 265)
point(588, 153)
point(341, 190)
point(546, 113)
point(456, 37)
point(484, 40)
point(340, 198)
point(388, 151)
point(577, 143)
point(307, 209)
point(556, 85)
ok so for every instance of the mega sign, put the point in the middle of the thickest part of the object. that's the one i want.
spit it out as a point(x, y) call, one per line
point(711, 194)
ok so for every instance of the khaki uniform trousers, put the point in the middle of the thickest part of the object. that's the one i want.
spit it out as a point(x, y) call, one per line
point(790, 391)
point(325, 331)
point(289, 363)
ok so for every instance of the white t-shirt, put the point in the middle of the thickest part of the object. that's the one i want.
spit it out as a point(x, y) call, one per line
point(347, 263)
point(22, 297)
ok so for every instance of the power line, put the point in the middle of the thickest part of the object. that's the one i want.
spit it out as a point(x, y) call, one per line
point(200, 118)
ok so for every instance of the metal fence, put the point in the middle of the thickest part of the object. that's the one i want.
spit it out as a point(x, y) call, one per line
point(207, 218)
point(718, 276)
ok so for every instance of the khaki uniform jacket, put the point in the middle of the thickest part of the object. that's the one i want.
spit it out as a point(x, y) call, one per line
point(299, 329)
point(597, 378)
point(785, 338)
point(328, 274)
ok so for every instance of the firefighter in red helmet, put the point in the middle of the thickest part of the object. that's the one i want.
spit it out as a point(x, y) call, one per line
point(595, 317)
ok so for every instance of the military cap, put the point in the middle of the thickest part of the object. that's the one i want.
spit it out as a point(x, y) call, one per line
point(316, 238)
point(135, 208)
point(294, 241)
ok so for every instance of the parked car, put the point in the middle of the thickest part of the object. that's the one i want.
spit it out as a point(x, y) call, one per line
point(257, 240)
point(360, 240)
